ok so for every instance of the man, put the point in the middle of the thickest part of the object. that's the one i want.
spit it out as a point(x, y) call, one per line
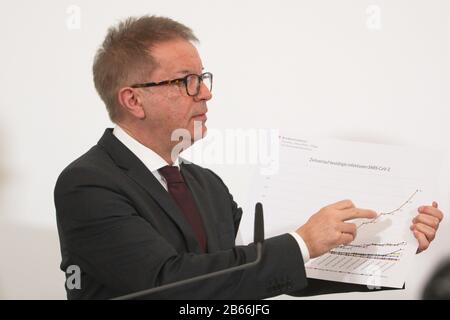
point(132, 215)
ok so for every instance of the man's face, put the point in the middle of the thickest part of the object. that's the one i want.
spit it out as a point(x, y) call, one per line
point(169, 107)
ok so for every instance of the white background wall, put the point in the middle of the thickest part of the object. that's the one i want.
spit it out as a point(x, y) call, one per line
point(367, 70)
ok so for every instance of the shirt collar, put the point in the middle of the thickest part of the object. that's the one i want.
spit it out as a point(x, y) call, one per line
point(150, 158)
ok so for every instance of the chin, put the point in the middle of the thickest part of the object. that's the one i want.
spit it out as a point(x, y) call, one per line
point(198, 133)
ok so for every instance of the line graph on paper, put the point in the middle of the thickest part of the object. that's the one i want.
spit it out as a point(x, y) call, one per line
point(316, 172)
point(377, 250)
point(389, 213)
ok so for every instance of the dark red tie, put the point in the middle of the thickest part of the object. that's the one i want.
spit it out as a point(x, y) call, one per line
point(185, 201)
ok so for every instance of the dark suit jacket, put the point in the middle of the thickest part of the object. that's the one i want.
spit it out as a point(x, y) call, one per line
point(122, 228)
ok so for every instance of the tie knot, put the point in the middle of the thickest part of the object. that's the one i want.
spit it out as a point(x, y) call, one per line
point(171, 174)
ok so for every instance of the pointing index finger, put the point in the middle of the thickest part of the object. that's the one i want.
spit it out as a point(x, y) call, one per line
point(358, 213)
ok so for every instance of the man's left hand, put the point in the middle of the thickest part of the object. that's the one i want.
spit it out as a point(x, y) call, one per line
point(426, 224)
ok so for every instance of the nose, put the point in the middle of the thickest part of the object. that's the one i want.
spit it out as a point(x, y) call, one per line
point(203, 93)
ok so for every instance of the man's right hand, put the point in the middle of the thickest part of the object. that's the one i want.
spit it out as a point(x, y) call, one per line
point(327, 228)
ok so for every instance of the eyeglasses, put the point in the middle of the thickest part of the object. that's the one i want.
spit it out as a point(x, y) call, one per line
point(191, 82)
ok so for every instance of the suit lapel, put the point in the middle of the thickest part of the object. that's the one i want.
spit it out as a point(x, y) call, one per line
point(137, 171)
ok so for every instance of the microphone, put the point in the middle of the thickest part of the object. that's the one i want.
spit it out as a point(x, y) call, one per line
point(258, 238)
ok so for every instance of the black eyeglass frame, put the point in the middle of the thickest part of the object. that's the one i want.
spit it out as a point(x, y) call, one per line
point(177, 81)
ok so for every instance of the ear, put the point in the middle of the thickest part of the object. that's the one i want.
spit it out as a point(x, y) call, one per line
point(131, 102)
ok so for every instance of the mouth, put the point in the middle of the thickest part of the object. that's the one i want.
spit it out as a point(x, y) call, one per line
point(200, 117)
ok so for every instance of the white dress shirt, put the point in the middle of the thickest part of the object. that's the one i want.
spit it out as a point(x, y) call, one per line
point(150, 158)
point(154, 161)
